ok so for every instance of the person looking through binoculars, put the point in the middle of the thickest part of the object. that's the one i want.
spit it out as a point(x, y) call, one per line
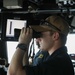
point(54, 31)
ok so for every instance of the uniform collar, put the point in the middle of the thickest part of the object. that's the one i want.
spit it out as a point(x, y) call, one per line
point(59, 51)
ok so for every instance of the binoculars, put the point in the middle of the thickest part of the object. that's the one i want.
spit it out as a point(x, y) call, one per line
point(34, 35)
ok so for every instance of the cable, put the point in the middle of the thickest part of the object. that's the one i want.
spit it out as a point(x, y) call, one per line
point(32, 49)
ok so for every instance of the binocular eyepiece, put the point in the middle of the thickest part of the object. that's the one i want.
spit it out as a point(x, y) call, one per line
point(34, 35)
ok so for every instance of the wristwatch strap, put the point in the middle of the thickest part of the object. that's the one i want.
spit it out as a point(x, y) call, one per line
point(22, 46)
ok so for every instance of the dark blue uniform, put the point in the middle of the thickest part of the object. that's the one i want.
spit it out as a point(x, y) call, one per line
point(40, 57)
point(59, 63)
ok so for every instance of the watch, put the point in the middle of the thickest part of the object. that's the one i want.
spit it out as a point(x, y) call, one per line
point(22, 46)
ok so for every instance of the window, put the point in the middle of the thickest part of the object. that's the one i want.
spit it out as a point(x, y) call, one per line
point(71, 43)
point(11, 47)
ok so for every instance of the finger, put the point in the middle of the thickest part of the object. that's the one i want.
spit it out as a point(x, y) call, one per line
point(28, 30)
point(25, 30)
point(31, 31)
point(22, 30)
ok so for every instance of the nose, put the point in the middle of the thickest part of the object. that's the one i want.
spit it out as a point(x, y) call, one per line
point(37, 42)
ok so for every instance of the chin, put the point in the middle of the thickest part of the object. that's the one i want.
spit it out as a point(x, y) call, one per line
point(43, 49)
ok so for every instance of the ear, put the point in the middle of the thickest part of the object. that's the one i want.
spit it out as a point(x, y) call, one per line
point(56, 36)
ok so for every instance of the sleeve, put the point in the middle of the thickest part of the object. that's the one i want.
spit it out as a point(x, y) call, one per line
point(31, 70)
point(41, 70)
